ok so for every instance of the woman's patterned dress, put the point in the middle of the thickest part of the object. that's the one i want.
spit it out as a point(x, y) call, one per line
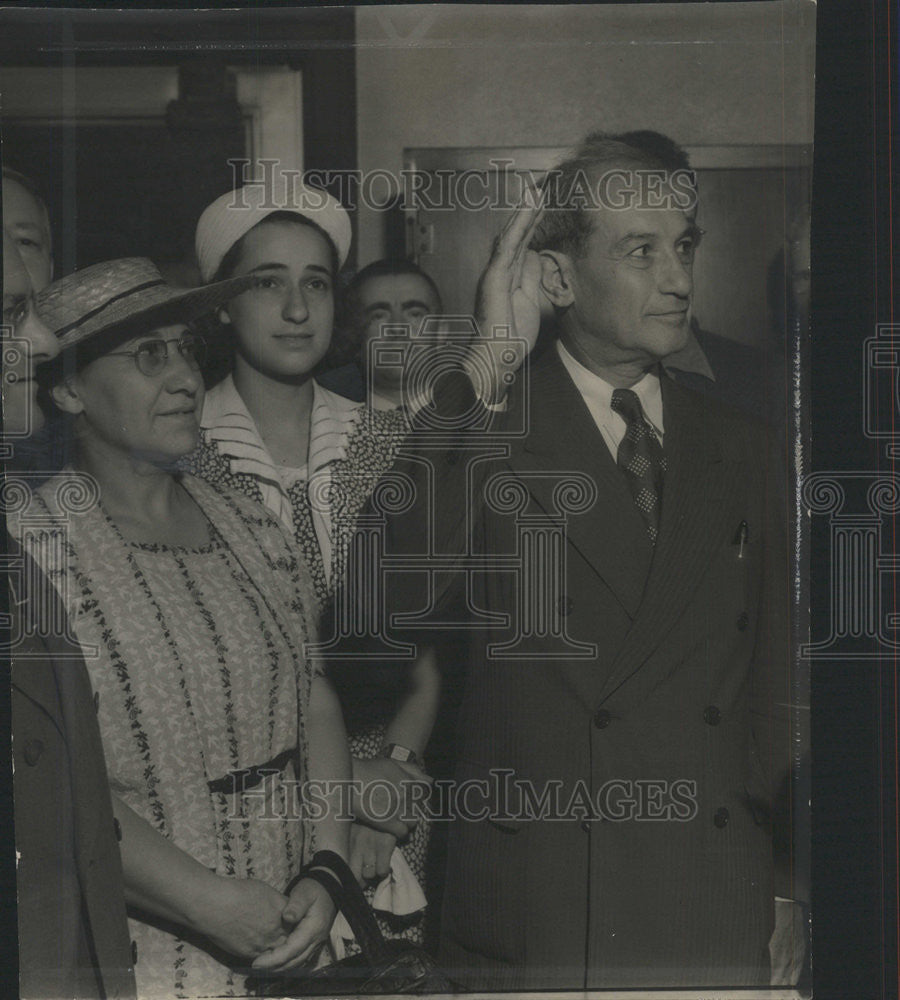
point(196, 660)
point(351, 447)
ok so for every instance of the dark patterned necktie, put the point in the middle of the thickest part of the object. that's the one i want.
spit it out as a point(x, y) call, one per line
point(641, 458)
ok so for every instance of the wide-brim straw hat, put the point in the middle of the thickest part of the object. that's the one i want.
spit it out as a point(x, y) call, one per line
point(235, 213)
point(125, 295)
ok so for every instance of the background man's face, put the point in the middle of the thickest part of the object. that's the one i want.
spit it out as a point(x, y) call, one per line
point(632, 288)
point(25, 222)
point(395, 300)
point(31, 344)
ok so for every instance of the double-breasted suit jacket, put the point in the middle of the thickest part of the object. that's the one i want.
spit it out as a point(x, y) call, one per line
point(73, 933)
point(653, 720)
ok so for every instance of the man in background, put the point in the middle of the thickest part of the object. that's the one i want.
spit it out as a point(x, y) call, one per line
point(386, 303)
point(73, 935)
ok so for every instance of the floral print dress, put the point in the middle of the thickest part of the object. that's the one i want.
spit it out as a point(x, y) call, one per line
point(350, 448)
point(196, 660)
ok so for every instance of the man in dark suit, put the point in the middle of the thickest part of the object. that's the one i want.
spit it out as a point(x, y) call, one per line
point(623, 553)
point(73, 934)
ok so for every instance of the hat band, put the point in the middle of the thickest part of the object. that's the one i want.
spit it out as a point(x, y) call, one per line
point(62, 331)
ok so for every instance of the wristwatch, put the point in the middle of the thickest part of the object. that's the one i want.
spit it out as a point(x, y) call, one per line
point(393, 751)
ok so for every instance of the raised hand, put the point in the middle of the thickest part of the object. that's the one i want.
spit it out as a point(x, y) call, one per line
point(508, 299)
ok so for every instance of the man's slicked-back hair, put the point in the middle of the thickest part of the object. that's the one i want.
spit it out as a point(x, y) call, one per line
point(567, 223)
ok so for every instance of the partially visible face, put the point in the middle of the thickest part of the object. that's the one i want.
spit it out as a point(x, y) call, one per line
point(153, 418)
point(26, 224)
point(283, 324)
point(27, 343)
point(388, 306)
point(632, 288)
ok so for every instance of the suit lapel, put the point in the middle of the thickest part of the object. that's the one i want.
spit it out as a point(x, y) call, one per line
point(49, 670)
point(36, 615)
point(610, 536)
point(691, 525)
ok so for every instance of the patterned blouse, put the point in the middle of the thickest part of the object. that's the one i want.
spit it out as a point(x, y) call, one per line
point(196, 660)
point(350, 448)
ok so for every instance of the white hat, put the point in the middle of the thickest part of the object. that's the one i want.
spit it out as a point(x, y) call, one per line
point(228, 218)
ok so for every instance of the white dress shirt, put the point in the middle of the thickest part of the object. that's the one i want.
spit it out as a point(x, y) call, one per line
point(597, 395)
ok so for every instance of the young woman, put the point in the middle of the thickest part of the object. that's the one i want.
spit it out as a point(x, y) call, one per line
point(193, 609)
point(312, 457)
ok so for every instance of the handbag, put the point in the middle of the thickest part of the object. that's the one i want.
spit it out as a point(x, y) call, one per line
point(381, 967)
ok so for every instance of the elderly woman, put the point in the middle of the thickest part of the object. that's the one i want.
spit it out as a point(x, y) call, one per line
point(192, 609)
point(313, 457)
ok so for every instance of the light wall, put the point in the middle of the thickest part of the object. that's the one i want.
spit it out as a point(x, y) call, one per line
point(545, 75)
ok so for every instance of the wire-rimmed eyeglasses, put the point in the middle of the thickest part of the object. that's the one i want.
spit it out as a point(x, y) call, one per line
point(151, 356)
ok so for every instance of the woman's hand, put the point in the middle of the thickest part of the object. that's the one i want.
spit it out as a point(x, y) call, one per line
point(389, 794)
point(370, 853)
point(307, 917)
point(243, 916)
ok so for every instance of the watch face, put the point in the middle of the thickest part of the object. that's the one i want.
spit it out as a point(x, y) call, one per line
point(400, 753)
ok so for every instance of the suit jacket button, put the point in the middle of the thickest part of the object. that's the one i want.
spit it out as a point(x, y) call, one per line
point(585, 826)
point(565, 605)
point(602, 718)
point(712, 716)
point(34, 750)
point(743, 621)
point(721, 818)
point(134, 952)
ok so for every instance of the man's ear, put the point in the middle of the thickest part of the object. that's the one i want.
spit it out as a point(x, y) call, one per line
point(556, 278)
point(66, 396)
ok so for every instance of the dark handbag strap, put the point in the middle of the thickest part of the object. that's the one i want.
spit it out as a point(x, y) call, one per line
point(334, 875)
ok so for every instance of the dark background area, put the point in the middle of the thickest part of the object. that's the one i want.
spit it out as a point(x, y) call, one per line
point(178, 173)
point(179, 165)
point(855, 703)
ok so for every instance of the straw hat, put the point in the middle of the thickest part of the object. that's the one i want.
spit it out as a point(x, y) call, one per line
point(125, 294)
point(228, 218)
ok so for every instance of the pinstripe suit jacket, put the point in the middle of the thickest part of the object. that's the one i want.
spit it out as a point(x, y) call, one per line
point(655, 715)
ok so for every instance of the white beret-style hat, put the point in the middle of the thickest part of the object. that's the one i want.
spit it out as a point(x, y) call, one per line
point(228, 218)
